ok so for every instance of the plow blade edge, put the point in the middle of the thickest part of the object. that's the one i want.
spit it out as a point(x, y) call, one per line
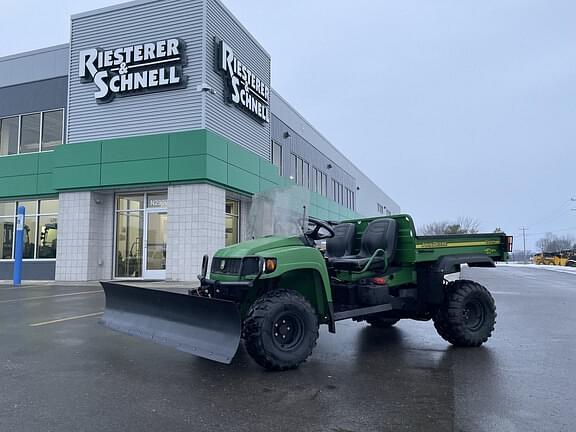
point(201, 326)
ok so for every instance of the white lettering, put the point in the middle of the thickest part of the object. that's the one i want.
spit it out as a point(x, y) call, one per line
point(235, 91)
point(172, 47)
point(161, 49)
point(149, 52)
point(114, 84)
point(153, 78)
point(101, 84)
point(87, 59)
point(174, 78)
point(138, 53)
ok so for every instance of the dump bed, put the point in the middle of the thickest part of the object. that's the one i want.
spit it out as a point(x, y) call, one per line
point(495, 245)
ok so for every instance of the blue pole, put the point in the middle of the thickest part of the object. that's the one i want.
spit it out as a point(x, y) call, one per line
point(19, 246)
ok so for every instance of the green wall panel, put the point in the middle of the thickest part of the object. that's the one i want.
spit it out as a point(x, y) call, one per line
point(218, 146)
point(216, 170)
point(78, 154)
point(187, 143)
point(44, 184)
point(187, 168)
point(135, 148)
point(18, 186)
point(46, 162)
point(266, 185)
point(76, 177)
point(243, 180)
point(268, 171)
point(244, 159)
point(134, 172)
point(19, 165)
point(193, 156)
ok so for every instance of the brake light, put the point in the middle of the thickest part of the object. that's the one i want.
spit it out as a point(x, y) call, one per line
point(379, 281)
point(509, 243)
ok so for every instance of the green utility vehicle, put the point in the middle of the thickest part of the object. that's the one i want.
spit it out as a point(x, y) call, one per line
point(275, 291)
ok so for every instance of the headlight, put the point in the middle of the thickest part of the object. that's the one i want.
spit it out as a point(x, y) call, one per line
point(270, 265)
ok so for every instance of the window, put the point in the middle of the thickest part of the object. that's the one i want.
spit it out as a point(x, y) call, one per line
point(315, 180)
point(380, 208)
point(40, 228)
point(9, 135)
point(232, 222)
point(338, 192)
point(29, 133)
point(7, 223)
point(349, 199)
point(277, 156)
point(52, 125)
point(301, 171)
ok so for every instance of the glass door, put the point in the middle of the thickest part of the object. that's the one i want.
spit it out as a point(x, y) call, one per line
point(141, 223)
point(155, 244)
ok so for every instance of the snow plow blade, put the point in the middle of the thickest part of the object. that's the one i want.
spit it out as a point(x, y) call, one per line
point(201, 326)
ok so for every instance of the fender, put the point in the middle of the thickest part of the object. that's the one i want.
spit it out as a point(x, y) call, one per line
point(451, 263)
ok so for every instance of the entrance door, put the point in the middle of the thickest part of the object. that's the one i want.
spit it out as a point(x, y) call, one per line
point(155, 244)
point(141, 223)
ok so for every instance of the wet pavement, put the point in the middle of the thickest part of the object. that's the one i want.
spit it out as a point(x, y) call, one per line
point(61, 371)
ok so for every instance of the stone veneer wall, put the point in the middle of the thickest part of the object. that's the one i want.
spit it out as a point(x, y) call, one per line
point(85, 236)
point(195, 227)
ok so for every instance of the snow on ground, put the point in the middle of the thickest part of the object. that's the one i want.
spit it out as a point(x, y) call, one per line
point(559, 269)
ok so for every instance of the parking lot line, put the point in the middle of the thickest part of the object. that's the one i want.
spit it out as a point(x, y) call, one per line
point(47, 297)
point(66, 319)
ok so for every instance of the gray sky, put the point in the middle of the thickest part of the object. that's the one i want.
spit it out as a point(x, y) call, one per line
point(452, 107)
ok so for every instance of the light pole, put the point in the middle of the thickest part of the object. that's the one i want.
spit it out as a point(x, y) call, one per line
point(524, 238)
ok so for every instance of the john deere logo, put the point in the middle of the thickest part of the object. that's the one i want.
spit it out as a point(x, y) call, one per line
point(222, 264)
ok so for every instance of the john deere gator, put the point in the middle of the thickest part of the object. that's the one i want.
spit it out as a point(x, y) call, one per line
point(274, 292)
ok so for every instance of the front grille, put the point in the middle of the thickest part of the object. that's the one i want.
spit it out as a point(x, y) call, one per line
point(233, 266)
point(227, 266)
point(251, 266)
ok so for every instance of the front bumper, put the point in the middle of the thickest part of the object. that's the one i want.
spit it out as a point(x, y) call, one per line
point(235, 291)
point(227, 290)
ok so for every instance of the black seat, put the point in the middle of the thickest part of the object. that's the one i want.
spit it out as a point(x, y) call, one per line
point(342, 242)
point(379, 234)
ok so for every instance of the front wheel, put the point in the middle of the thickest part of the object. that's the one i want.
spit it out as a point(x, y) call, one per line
point(280, 330)
point(468, 314)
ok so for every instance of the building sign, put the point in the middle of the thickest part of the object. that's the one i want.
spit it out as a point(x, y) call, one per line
point(243, 87)
point(134, 69)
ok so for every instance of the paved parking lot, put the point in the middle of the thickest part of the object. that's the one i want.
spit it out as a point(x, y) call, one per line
point(61, 371)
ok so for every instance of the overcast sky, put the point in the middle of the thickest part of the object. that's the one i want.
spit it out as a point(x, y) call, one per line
point(452, 107)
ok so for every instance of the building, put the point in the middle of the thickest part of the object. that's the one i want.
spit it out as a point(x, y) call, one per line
point(136, 148)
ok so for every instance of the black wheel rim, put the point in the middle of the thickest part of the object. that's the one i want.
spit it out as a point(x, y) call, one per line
point(287, 331)
point(474, 315)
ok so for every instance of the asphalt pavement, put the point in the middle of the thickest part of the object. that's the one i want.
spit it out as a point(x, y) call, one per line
point(61, 371)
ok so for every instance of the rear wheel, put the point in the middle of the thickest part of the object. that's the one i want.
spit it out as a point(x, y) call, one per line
point(380, 322)
point(280, 330)
point(468, 315)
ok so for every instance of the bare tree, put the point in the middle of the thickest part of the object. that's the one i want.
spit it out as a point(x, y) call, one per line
point(462, 225)
point(553, 243)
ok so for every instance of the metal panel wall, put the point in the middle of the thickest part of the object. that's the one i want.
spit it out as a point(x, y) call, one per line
point(35, 65)
point(368, 194)
point(34, 96)
point(296, 144)
point(124, 25)
point(31, 270)
point(229, 120)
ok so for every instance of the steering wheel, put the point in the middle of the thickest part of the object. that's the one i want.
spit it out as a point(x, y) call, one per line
point(315, 234)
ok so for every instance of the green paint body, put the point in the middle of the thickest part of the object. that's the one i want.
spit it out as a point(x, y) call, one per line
point(303, 268)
